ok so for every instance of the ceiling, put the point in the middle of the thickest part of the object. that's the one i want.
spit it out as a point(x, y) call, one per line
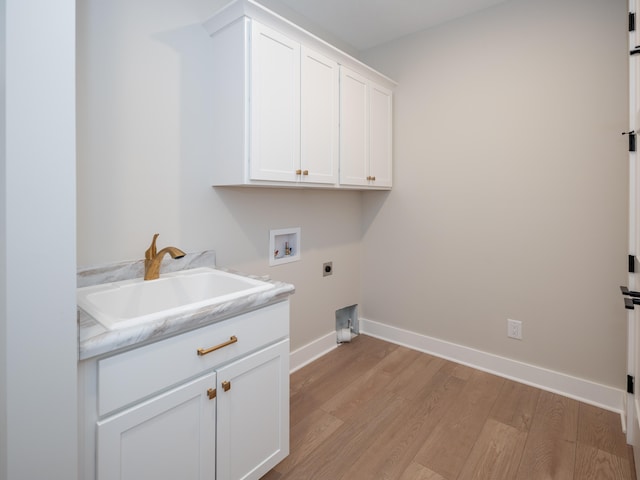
point(367, 23)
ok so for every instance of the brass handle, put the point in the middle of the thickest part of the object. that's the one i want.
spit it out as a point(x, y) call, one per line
point(211, 393)
point(298, 172)
point(305, 172)
point(226, 386)
point(204, 351)
point(371, 178)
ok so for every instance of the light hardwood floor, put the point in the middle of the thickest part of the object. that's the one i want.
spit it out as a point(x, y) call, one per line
point(374, 410)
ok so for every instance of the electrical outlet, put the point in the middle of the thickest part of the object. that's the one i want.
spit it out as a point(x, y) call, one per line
point(327, 269)
point(514, 329)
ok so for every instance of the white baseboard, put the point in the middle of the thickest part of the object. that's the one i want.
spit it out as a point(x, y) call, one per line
point(312, 351)
point(579, 389)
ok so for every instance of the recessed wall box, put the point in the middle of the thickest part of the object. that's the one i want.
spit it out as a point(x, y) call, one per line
point(284, 245)
point(347, 324)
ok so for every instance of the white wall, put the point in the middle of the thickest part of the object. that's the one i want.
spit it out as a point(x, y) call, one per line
point(509, 201)
point(3, 247)
point(510, 178)
point(510, 187)
point(38, 331)
point(144, 150)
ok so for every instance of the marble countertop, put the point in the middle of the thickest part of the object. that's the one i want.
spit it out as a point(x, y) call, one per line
point(94, 339)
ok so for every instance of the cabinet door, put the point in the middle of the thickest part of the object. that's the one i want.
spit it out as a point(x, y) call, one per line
point(253, 413)
point(354, 128)
point(274, 153)
point(319, 107)
point(380, 143)
point(167, 437)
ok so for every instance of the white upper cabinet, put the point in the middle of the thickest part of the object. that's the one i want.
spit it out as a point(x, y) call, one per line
point(275, 106)
point(366, 129)
point(319, 118)
point(354, 139)
point(380, 135)
point(282, 115)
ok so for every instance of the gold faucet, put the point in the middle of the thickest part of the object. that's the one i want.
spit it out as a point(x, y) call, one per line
point(153, 259)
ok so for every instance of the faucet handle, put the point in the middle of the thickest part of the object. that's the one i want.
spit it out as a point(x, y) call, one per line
point(151, 252)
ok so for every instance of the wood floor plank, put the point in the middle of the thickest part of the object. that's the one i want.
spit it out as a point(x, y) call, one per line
point(496, 454)
point(516, 405)
point(415, 471)
point(402, 408)
point(336, 454)
point(340, 359)
point(353, 361)
point(306, 436)
point(595, 464)
point(390, 454)
point(272, 475)
point(557, 413)
point(454, 436)
point(601, 429)
point(369, 384)
point(412, 380)
point(551, 444)
point(462, 371)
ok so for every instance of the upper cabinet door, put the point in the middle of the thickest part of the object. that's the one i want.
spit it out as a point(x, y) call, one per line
point(319, 103)
point(354, 128)
point(275, 105)
point(365, 132)
point(380, 137)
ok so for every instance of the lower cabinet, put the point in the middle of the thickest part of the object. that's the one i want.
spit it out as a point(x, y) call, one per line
point(227, 420)
point(170, 436)
point(253, 420)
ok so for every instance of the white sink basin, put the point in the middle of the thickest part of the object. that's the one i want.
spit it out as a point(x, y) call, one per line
point(132, 302)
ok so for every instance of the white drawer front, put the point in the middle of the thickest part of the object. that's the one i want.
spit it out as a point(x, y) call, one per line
point(130, 376)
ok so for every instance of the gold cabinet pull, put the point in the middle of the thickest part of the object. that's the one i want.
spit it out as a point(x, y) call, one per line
point(204, 351)
point(226, 386)
point(298, 172)
point(211, 393)
point(305, 172)
point(373, 178)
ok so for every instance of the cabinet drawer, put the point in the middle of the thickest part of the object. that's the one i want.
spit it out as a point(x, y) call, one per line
point(136, 374)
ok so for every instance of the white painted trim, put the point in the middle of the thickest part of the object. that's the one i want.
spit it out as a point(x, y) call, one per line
point(312, 351)
point(596, 394)
point(624, 417)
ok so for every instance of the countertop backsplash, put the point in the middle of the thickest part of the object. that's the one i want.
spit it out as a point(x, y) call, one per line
point(135, 268)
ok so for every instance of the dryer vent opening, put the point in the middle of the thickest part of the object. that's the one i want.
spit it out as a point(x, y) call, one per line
point(347, 325)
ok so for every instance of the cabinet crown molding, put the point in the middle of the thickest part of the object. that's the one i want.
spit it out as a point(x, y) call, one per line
point(237, 9)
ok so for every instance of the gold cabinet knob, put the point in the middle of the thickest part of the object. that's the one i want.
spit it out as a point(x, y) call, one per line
point(226, 386)
point(298, 172)
point(305, 172)
point(211, 393)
